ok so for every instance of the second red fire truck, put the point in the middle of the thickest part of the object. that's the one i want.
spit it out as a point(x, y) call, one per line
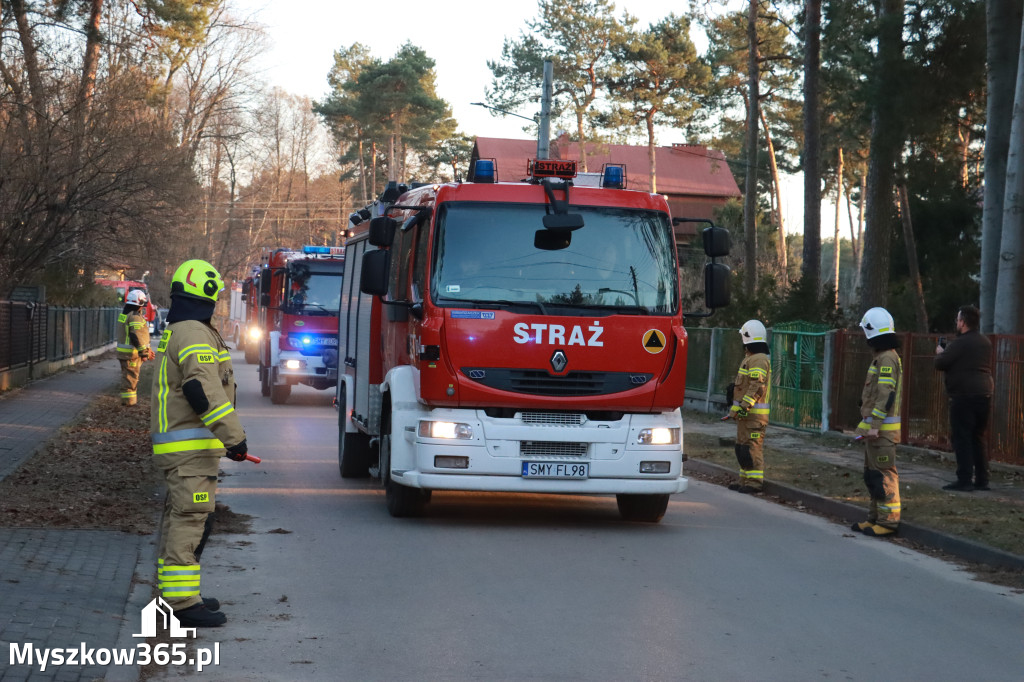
point(518, 337)
point(298, 319)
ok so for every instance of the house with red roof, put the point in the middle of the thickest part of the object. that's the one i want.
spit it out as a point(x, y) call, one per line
point(694, 179)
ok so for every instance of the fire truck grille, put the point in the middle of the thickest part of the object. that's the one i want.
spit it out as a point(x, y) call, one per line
point(539, 448)
point(541, 382)
point(559, 418)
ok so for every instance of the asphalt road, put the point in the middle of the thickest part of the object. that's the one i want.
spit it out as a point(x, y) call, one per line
point(328, 586)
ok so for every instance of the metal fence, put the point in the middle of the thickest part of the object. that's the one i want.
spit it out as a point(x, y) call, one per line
point(33, 333)
point(818, 375)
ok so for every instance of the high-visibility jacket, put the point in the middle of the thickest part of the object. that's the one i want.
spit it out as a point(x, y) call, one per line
point(181, 438)
point(753, 386)
point(132, 335)
point(880, 399)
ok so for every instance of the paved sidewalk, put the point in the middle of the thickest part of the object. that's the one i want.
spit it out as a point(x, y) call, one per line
point(62, 588)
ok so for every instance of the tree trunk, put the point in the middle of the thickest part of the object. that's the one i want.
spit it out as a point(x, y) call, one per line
point(92, 51)
point(886, 142)
point(1003, 29)
point(920, 310)
point(835, 255)
point(777, 185)
point(811, 271)
point(750, 190)
point(853, 230)
point(1008, 318)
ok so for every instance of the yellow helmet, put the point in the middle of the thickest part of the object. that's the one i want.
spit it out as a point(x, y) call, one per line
point(197, 279)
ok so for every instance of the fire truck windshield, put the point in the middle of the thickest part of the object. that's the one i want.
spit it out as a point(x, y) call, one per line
point(317, 294)
point(621, 261)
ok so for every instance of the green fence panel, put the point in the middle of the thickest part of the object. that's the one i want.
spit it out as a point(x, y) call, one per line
point(698, 355)
point(798, 360)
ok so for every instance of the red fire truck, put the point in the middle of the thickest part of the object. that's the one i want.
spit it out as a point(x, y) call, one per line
point(518, 337)
point(251, 332)
point(242, 324)
point(298, 319)
point(123, 287)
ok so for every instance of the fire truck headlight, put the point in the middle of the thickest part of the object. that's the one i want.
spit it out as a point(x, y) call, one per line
point(293, 364)
point(658, 436)
point(450, 430)
point(254, 333)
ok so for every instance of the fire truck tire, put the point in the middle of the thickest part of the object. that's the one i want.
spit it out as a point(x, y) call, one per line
point(353, 448)
point(646, 508)
point(252, 353)
point(264, 381)
point(402, 501)
point(279, 393)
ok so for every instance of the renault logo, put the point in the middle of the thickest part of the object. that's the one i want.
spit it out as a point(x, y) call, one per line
point(559, 361)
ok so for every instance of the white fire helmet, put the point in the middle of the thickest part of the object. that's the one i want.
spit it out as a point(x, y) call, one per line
point(877, 321)
point(136, 297)
point(753, 331)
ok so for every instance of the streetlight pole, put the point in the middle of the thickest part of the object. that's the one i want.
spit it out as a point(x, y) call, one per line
point(544, 122)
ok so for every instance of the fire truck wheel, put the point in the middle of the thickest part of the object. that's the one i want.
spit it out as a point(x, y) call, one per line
point(647, 508)
point(279, 392)
point(252, 355)
point(353, 448)
point(402, 500)
point(264, 381)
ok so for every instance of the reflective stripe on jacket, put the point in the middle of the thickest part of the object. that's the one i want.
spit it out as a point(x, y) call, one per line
point(880, 399)
point(193, 350)
point(754, 386)
point(129, 325)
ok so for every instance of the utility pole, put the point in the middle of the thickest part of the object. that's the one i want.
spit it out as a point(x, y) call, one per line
point(544, 128)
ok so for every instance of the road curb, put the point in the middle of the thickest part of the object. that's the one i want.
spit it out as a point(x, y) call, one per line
point(928, 537)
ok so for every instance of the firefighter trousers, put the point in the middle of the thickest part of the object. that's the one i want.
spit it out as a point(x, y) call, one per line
point(190, 500)
point(750, 451)
point(130, 369)
point(882, 481)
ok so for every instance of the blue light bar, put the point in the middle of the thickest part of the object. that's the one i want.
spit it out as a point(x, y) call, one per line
point(316, 249)
point(613, 177)
point(483, 170)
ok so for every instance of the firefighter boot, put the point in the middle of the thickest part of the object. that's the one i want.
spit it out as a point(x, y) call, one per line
point(879, 531)
point(861, 526)
point(735, 486)
point(211, 603)
point(198, 616)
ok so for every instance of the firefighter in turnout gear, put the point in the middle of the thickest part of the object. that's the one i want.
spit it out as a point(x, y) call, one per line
point(880, 424)
point(751, 391)
point(132, 344)
point(192, 424)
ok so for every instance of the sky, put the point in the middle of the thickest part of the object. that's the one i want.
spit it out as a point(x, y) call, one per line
point(459, 35)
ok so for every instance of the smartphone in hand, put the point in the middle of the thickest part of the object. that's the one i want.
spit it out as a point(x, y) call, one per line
point(942, 341)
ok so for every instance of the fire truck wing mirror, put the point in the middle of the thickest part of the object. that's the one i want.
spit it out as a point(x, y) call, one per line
point(382, 231)
point(373, 279)
point(265, 300)
point(265, 282)
point(716, 285)
point(563, 222)
point(716, 241)
point(552, 240)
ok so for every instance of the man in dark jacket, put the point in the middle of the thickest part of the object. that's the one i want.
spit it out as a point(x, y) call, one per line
point(967, 362)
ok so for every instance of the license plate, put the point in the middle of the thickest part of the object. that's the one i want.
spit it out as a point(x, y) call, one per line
point(326, 341)
point(556, 470)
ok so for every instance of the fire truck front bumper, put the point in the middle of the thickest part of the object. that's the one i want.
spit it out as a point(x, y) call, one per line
point(638, 454)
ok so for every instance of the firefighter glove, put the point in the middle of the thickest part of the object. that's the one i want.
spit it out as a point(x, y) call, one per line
point(742, 413)
point(237, 452)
